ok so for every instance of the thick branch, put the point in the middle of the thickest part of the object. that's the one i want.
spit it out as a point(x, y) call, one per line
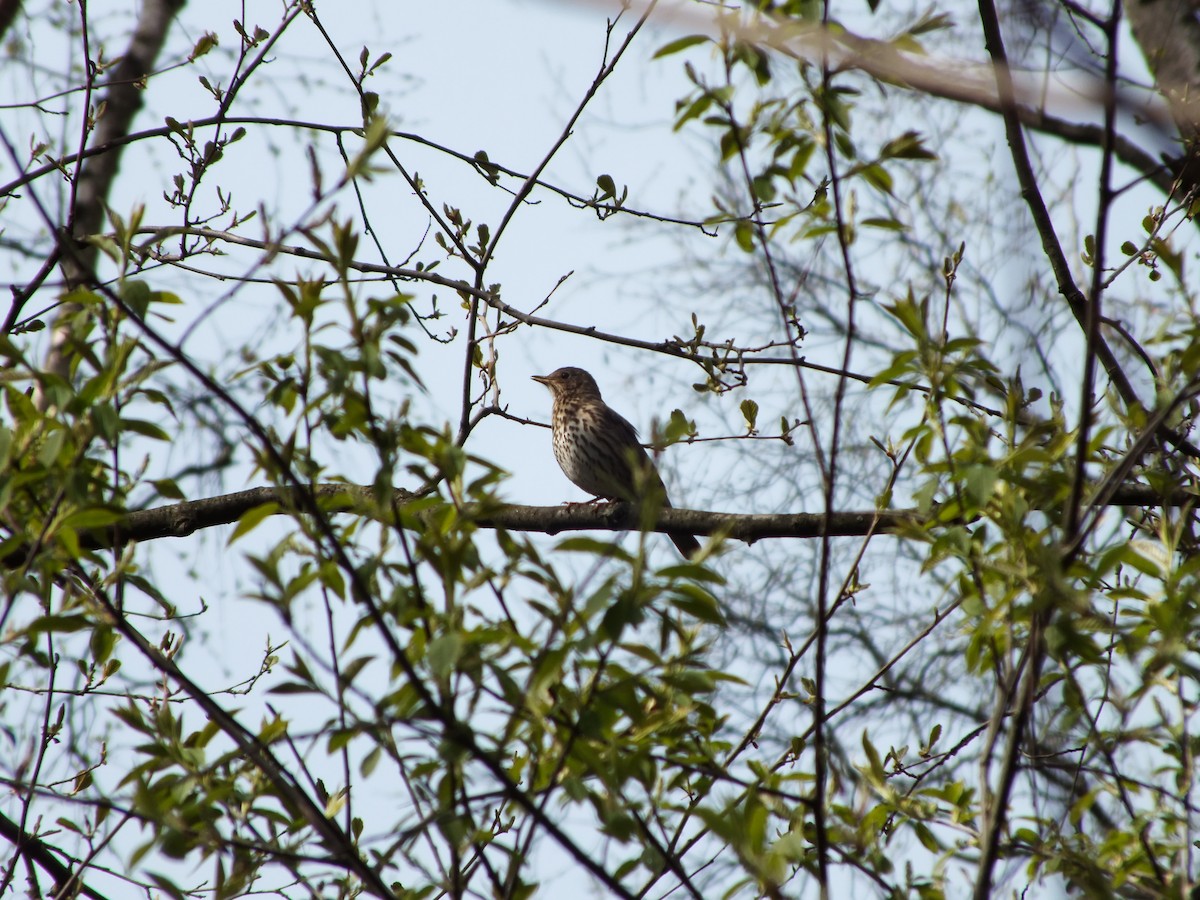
point(43, 854)
point(1169, 37)
point(969, 83)
point(188, 517)
point(122, 101)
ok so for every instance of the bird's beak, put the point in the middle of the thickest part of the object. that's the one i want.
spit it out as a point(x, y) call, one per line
point(542, 379)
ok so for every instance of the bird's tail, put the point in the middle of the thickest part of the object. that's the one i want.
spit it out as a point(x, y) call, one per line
point(687, 543)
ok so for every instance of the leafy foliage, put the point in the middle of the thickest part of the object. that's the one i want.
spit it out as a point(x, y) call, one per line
point(997, 694)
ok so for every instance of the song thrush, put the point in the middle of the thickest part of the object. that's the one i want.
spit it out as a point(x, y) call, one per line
point(599, 450)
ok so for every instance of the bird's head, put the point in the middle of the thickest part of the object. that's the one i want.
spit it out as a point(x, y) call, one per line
point(570, 382)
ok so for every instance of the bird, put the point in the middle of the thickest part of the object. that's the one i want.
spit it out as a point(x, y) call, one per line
point(599, 450)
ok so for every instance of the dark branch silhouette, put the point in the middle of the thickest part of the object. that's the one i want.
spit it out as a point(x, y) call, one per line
point(188, 517)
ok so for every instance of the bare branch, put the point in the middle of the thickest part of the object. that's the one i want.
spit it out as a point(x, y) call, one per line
point(188, 517)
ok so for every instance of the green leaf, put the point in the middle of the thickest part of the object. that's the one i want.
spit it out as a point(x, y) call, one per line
point(370, 761)
point(207, 41)
point(698, 603)
point(58, 624)
point(878, 177)
point(693, 110)
point(679, 428)
point(51, 447)
point(691, 571)
point(102, 642)
point(146, 429)
point(591, 545)
point(444, 652)
point(750, 414)
point(743, 233)
point(351, 669)
point(95, 517)
point(925, 836)
point(293, 687)
point(251, 519)
point(908, 146)
point(339, 739)
point(136, 293)
point(931, 21)
point(934, 734)
point(980, 483)
point(167, 488)
point(874, 762)
point(1173, 259)
point(887, 224)
point(680, 44)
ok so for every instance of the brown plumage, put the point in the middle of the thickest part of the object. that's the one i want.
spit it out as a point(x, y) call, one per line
point(599, 450)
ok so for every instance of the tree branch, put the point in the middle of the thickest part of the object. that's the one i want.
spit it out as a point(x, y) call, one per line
point(122, 101)
point(43, 854)
point(188, 517)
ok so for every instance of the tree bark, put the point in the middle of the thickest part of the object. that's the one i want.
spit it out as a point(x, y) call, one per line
point(123, 100)
point(1168, 33)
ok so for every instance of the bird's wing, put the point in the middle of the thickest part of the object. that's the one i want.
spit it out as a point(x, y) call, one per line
point(637, 468)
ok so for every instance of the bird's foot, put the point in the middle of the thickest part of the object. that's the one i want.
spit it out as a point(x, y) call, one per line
point(595, 501)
